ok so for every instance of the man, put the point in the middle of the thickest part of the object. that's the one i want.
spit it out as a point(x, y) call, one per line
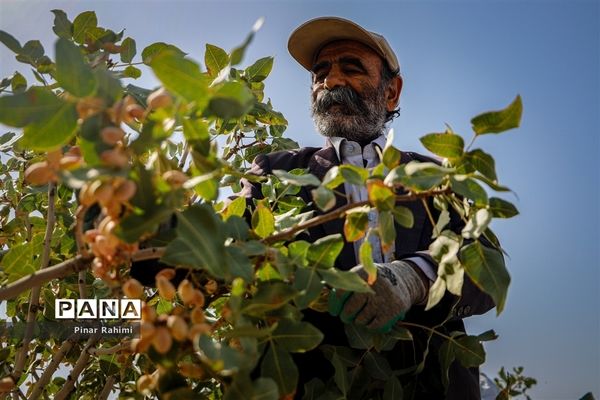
point(355, 91)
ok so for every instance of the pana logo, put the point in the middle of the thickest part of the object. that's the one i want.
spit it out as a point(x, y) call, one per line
point(98, 309)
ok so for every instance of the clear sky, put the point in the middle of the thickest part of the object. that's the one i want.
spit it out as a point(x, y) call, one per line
point(457, 59)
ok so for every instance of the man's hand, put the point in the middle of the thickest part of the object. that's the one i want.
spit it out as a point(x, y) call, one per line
point(398, 287)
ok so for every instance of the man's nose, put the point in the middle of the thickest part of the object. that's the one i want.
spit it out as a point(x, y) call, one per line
point(334, 79)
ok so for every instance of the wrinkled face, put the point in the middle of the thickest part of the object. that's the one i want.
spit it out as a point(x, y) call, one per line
point(348, 97)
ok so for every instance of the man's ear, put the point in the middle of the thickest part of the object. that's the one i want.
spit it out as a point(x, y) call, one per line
point(392, 93)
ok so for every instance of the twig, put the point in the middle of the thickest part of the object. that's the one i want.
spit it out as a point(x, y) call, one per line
point(108, 387)
point(34, 301)
point(110, 350)
point(80, 365)
point(337, 213)
point(64, 349)
point(149, 253)
point(61, 270)
point(81, 247)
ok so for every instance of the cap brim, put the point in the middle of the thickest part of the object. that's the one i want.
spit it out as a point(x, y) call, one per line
point(310, 37)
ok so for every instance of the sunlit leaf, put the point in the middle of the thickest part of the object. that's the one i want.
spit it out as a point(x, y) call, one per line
point(499, 121)
point(446, 145)
point(72, 72)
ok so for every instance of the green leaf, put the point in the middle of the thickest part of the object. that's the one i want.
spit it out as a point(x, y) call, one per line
point(469, 351)
point(235, 207)
point(263, 221)
point(32, 51)
point(391, 157)
point(501, 208)
point(195, 129)
point(181, 76)
point(10, 42)
point(155, 48)
point(296, 336)
point(259, 71)
point(231, 100)
point(499, 121)
point(132, 72)
point(403, 216)
point(269, 296)
point(72, 73)
point(297, 177)
point(53, 131)
point(356, 225)
point(308, 284)
point(279, 365)
point(82, 24)
point(359, 337)
point(365, 256)
point(469, 188)
point(341, 376)
point(128, 50)
point(418, 176)
point(380, 195)
point(200, 241)
point(333, 178)
point(324, 198)
point(482, 162)
point(23, 259)
point(324, 251)
point(353, 174)
point(215, 59)
point(346, 280)
point(18, 83)
point(446, 145)
point(377, 365)
point(237, 54)
point(219, 356)
point(387, 231)
point(486, 269)
point(62, 26)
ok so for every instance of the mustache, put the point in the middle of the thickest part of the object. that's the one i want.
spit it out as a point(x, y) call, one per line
point(344, 96)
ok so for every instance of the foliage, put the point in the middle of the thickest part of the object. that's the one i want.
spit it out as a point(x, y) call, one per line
point(513, 383)
point(99, 169)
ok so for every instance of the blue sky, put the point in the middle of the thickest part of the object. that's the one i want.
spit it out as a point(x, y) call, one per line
point(457, 59)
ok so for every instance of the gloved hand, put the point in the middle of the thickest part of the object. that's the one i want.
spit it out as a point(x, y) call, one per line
point(398, 287)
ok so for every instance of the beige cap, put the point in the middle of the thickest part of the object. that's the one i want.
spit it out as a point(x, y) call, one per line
point(310, 37)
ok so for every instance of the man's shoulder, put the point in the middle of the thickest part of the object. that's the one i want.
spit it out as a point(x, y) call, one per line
point(288, 159)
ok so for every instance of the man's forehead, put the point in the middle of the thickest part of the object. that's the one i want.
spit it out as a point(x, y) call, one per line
point(341, 48)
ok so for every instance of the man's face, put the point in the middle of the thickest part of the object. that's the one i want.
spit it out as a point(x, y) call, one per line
point(348, 97)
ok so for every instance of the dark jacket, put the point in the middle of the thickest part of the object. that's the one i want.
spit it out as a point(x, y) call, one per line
point(464, 383)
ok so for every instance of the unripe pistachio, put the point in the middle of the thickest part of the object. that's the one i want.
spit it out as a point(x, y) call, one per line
point(115, 158)
point(145, 384)
point(86, 195)
point(186, 291)
point(135, 111)
point(73, 151)
point(113, 209)
point(70, 162)
point(148, 313)
point(99, 270)
point(147, 330)
point(107, 225)
point(102, 247)
point(112, 135)
point(199, 329)
point(175, 178)
point(166, 290)
point(53, 158)
point(162, 340)
point(178, 326)
point(125, 191)
point(168, 273)
point(102, 191)
point(197, 315)
point(7, 384)
point(39, 173)
point(159, 99)
point(89, 106)
point(90, 235)
point(133, 289)
point(211, 286)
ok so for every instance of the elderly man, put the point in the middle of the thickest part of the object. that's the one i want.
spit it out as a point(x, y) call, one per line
point(355, 91)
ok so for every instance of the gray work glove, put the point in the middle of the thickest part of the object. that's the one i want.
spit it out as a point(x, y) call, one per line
point(398, 287)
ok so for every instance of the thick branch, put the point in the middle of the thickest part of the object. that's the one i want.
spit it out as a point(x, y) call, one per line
point(108, 387)
point(338, 213)
point(34, 301)
point(52, 367)
point(61, 270)
point(80, 365)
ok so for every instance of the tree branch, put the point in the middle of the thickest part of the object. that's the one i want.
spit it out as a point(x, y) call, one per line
point(61, 270)
point(34, 301)
point(338, 213)
point(108, 387)
point(80, 365)
point(110, 350)
point(64, 349)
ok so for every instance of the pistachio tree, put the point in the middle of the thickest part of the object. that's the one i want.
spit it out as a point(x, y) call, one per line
point(99, 174)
